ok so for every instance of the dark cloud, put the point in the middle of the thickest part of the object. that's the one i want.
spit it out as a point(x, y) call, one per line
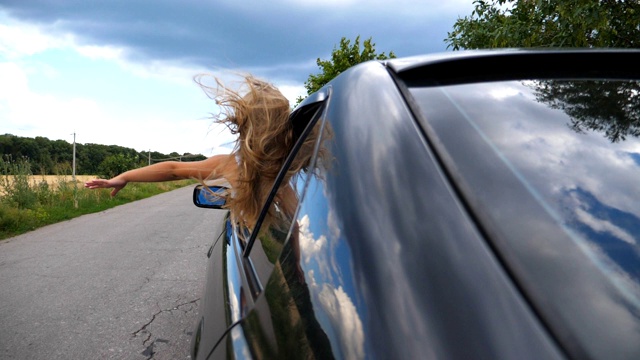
point(272, 38)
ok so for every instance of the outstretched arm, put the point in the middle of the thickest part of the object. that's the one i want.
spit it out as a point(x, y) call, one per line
point(165, 171)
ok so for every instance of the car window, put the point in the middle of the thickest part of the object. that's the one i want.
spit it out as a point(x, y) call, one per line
point(274, 230)
point(550, 169)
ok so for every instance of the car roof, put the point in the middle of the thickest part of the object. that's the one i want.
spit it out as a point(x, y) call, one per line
point(509, 64)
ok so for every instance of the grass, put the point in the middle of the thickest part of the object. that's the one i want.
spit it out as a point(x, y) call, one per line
point(26, 204)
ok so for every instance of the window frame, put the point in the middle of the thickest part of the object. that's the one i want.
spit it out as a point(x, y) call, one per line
point(313, 109)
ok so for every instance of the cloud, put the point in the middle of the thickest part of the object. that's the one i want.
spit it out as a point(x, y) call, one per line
point(18, 40)
point(28, 112)
point(54, 45)
point(345, 319)
point(555, 147)
point(333, 299)
point(24, 109)
point(95, 106)
point(101, 52)
point(603, 226)
point(14, 81)
point(311, 247)
point(260, 36)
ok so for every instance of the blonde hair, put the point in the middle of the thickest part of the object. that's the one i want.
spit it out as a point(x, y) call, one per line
point(258, 114)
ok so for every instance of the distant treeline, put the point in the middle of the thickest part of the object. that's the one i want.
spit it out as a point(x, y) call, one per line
point(55, 157)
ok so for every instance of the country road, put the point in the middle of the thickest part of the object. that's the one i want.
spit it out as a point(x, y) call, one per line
point(120, 284)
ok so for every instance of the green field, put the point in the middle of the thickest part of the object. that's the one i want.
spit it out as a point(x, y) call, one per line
point(29, 202)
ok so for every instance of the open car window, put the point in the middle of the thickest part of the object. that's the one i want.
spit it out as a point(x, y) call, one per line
point(273, 228)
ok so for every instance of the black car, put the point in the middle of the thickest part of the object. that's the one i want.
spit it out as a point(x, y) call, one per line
point(464, 205)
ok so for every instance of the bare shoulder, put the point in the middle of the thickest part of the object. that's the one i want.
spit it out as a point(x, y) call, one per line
point(222, 166)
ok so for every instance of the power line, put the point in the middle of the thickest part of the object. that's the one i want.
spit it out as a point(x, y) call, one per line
point(74, 156)
point(173, 158)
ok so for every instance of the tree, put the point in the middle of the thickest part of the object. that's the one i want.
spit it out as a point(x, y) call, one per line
point(116, 164)
point(342, 58)
point(54, 157)
point(548, 23)
point(607, 107)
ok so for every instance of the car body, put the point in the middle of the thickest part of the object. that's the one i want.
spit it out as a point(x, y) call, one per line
point(464, 205)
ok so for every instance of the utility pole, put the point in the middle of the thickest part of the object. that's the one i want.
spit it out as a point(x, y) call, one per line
point(74, 157)
point(149, 156)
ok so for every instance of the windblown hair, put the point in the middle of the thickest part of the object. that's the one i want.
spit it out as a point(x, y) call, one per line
point(258, 114)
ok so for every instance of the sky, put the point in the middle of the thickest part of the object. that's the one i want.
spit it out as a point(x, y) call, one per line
point(121, 72)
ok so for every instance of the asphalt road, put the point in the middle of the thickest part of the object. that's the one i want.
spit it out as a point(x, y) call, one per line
point(120, 284)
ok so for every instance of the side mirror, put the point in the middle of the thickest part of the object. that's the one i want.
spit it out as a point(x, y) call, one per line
point(210, 197)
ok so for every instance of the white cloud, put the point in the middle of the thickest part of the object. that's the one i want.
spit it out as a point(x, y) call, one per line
point(291, 92)
point(25, 112)
point(14, 82)
point(335, 301)
point(90, 39)
point(554, 148)
point(345, 319)
point(18, 40)
point(311, 247)
point(503, 92)
point(604, 226)
point(30, 113)
point(332, 223)
point(24, 109)
point(100, 52)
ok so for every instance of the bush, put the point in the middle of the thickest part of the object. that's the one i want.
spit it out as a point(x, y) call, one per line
point(114, 165)
point(26, 204)
point(15, 183)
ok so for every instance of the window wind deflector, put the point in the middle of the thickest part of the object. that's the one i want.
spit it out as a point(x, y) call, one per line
point(504, 65)
point(303, 113)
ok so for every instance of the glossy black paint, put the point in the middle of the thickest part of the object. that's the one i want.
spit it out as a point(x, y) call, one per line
point(544, 203)
point(214, 317)
point(407, 274)
point(415, 238)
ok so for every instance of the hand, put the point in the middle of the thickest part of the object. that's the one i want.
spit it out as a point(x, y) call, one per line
point(116, 184)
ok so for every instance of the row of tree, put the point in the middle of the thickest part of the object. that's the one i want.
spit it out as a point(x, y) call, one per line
point(55, 157)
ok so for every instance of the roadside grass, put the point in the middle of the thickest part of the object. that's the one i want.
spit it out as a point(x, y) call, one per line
point(26, 205)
